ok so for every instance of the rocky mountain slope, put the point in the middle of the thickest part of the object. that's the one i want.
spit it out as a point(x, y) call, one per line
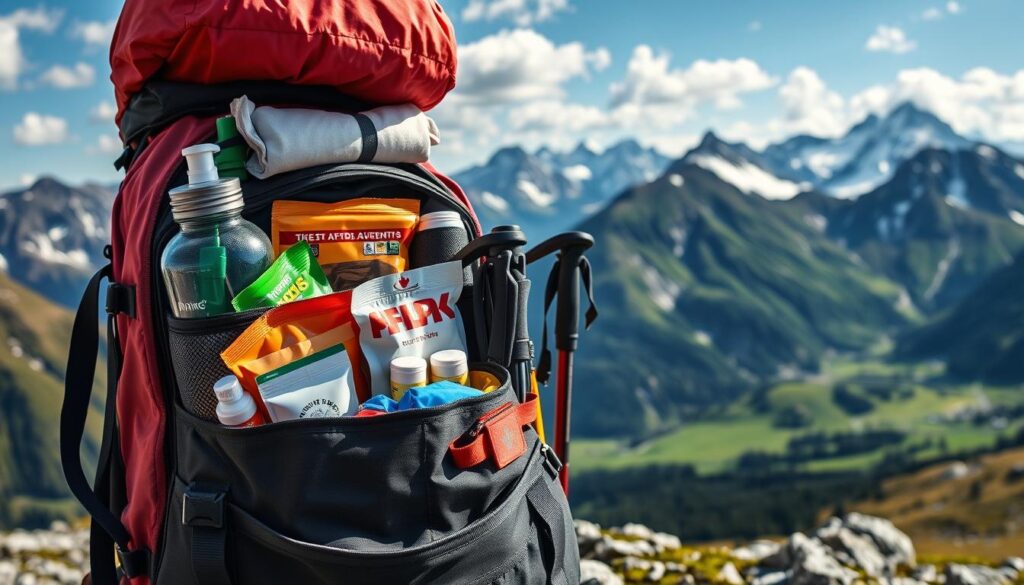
point(945, 221)
point(707, 290)
point(52, 236)
point(548, 191)
point(981, 338)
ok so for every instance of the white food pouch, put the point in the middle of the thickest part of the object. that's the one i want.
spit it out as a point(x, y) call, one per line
point(411, 313)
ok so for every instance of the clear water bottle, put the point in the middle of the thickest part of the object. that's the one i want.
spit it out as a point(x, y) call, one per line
point(217, 253)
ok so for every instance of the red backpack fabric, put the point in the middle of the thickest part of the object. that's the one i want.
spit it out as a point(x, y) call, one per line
point(380, 52)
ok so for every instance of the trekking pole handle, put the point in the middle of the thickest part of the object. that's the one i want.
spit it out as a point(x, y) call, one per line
point(491, 244)
point(570, 247)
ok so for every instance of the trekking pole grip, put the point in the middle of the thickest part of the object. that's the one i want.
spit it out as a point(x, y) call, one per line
point(570, 247)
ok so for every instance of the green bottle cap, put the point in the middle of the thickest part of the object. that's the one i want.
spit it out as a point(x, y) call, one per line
point(230, 160)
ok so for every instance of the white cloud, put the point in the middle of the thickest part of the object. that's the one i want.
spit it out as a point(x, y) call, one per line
point(39, 129)
point(103, 112)
point(522, 12)
point(12, 59)
point(521, 65)
point(936, 12)
point(808, 106)
point(94, 33)
point(552, 115)
point(61, 77)
point(27, 179)
point(106, 144)
point(889, 39)
point(755, 26)
point(650, 81)
point(38, 19)
point(982, 101)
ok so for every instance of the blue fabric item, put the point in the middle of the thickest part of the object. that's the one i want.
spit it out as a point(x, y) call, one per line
point(427, 396)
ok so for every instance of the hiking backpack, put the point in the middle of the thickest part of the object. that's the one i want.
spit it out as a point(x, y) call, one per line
point(182, 500)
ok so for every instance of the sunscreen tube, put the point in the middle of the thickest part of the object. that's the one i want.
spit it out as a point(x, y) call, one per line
point(320, 385)
point(450, 365)
point(407, 372)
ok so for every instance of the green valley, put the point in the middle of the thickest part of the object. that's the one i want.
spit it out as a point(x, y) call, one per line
point(934, 417)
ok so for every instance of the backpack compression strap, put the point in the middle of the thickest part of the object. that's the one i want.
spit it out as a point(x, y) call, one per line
point(78, 382)
point(497, 435)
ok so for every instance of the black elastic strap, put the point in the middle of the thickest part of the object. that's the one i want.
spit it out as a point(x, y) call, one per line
point(204, 510)
point(79, 376)
point(550, 516)
point(236, 140)
point(544, 365)
point(588, 285)
point(101, 545)
point(369, 133)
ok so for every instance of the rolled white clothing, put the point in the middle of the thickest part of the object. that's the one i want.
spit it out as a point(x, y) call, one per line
point(286, 139)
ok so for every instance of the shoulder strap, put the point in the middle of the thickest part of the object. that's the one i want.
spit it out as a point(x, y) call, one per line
point(79, 376)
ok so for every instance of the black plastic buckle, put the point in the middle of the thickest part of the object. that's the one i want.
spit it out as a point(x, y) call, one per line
point(551, 461)
point(203, 508)
point(121, 299)
point(132, 563)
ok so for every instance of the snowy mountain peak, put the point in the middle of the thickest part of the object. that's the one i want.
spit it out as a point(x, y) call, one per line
point(740, 166)
point(550, 190)
point(867, 155)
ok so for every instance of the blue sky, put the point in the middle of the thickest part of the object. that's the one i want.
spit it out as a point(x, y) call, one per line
point(555, 72)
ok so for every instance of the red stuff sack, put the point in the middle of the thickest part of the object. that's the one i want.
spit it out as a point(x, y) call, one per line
point(381, 52)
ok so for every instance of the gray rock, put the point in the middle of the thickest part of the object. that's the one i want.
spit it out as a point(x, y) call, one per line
point(661, 541)
point(756, 551)
point(1015, 563)
point(588, 535)
point(608, 549)
point(8, 571)
point(597, 573)
point(812, 563)
point(769, 578)
point(855, 550)
point(926, 573)
point(730, 575)
point(896, 546)
point(974, 575)
point(653, 571)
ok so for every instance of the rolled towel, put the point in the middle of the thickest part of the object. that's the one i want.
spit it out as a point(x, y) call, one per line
point(285, 139)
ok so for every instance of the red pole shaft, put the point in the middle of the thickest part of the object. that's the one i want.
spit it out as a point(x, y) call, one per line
point(563, 412)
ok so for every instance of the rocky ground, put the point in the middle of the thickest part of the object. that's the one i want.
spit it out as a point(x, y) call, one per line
point(854, 550)
point(857, 549)
point(59, 555)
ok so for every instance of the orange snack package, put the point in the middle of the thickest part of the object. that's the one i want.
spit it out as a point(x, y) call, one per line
point(354, 240)
point(291, 332)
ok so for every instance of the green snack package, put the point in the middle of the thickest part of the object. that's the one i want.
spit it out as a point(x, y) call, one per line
point(294, 275)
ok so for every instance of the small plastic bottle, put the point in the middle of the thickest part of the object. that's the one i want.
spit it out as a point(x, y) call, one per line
point(235, 408)
point(450, 365)
point(407, 372)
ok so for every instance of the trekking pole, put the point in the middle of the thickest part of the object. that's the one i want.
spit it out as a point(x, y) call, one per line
point(499, 303)
point(570, 268)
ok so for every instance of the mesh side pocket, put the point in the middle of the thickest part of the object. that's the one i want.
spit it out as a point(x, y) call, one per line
point(195, 346)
